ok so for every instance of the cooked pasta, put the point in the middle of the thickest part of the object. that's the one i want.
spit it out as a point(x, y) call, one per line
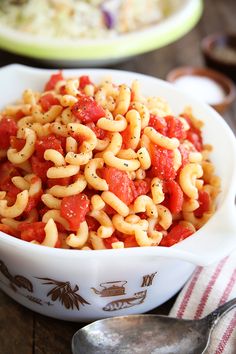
point(100, 166)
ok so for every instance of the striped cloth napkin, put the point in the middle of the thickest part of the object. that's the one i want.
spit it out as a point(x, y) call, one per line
point(208, 288)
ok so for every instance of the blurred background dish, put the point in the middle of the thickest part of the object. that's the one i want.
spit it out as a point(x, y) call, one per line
point(210, 86)
point(219, 50)
point(93, 43)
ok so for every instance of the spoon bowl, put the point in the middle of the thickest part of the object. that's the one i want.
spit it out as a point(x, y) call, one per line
point(149, 334)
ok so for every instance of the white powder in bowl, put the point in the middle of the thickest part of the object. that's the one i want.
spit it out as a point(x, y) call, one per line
point(201, 87)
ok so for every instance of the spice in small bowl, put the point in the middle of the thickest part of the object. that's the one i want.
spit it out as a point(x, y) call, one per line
point(207, 85)
point(219, 51)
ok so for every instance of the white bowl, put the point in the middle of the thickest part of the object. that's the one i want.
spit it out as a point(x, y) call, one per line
point(100, 51)
point(118, 282)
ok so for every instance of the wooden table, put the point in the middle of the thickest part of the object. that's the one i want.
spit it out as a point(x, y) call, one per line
point(25, 332)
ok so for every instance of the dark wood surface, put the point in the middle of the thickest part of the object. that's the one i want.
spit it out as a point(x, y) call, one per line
point(25, 332)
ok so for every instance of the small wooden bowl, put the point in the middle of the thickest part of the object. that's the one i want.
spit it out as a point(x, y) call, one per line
point(222, 80)
point(219, 51)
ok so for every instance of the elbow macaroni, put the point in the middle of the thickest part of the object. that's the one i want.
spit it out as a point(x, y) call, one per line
point(141, 178)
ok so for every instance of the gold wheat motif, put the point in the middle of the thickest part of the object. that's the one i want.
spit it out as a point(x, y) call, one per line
point(63, 292)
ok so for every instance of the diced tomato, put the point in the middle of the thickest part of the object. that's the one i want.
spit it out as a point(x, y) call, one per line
point(100, 133)
point(62, 139)
point(141, 187)
point(109, 241)
point(50, 85)
point(33, 231)
point(33, 201)
point(130, 241)
point(58, 244)
point(109, 210)
point(43, 210)
point(74, 209)
point(175, 128)
point(184, 154)
point(17, 143)
point(174, 196)
point(158, 123)
point(162, 163)
point(62, 90)
point(19, 114)
point(7, 170)
point(47, 101)
point(119, 183)
point(83, 81)
point(142, 216)
point(47, 142)
point(7, 186)
point(195, 138)
point(58, 181)
point(193, 134)
point(9, 230)
point(204, 203)
point(40, 167)
point(87, 110)
point(126, 136)
point(176, 234)
point(60, 227)
point(93, 224)
point(8, 128)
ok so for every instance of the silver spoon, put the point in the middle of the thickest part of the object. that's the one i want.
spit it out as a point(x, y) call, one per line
point(148, 334)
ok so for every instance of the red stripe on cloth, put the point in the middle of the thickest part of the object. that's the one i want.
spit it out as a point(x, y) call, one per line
point(228, 288)
point(188, 293)
point(208, 289)
point(226, 336)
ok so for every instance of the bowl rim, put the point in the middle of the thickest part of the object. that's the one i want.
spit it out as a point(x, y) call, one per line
point(214, 75)
point(179, 250)
point(153, 37)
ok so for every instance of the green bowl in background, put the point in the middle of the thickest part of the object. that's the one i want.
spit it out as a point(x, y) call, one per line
point(68, 52)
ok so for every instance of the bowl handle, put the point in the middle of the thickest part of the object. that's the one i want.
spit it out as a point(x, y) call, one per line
point(204, 249)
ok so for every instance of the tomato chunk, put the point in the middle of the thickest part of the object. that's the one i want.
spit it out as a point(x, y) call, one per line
point(130, 241)
point(33, 201)
point(119, 183)
point(50, 85)
point(204, 203)
point(74, 209)
point(162, 163)
point(58, 181)
point(158, 123)
point(126, 137)
point(93, 224)
point(33, 231)
point(100, 133)
point(141, 187)
point(47, 101)
point(10, 188)
point(193, 134)
point(176, 234)
point(7, 170)
point(40, 167)
point(8, 230)
point(175, 128)
point(87, 110)
point(17, 143)
point(195, 139)
point(174, 196)
point(47, 142)
point(8, 128)
point(83, 81)
point(109, 241)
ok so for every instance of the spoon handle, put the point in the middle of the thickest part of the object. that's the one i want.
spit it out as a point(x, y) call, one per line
point(214, 316)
